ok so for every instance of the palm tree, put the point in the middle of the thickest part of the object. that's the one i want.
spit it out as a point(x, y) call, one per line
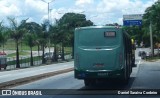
point(35, 28)
point(3, 34)
point(17, 32)
point(43, 38)
point(30, 41)
point(55, 40)
point(32, 37)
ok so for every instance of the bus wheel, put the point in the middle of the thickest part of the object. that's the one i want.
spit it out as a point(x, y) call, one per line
point(126, 77)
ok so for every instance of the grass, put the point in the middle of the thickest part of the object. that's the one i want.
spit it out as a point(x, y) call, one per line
point(68, 50)
point(154, 58)
point(21, 53)
point(10, 45)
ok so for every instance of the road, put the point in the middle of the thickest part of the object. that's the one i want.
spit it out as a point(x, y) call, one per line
point(144, 76)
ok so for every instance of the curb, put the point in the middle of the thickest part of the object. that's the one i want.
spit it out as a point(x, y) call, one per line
point(13, 83)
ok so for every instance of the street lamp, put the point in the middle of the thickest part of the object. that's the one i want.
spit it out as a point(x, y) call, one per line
point(48, 7)
point(48, 22)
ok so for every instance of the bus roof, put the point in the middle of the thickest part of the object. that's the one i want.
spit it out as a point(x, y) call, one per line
point(92, 27)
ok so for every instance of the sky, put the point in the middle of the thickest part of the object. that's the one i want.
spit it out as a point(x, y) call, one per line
point(100, 12)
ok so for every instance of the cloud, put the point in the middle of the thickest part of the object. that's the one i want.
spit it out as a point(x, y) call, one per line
point(99, 11)
point(36, 5)
point(83, 2)
point(8, 8)
point(117, 8)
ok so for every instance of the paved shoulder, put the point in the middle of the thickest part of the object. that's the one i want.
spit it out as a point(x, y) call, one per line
point(148, 76)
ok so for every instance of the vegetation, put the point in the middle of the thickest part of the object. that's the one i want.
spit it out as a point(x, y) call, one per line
point(152, 17)
point(141, 34)
point(21, 53)
point(16, 33)
point(153, 58)
point(3, 35)
point(10, 45)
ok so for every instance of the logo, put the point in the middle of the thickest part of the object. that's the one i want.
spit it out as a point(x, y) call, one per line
point(6, 92)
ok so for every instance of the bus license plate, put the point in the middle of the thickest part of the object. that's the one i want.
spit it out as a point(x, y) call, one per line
point(102, 74)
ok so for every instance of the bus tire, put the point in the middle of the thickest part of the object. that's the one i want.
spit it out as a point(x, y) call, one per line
point(126, 77)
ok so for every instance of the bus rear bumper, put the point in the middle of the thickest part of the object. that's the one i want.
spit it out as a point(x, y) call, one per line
point(99, 74)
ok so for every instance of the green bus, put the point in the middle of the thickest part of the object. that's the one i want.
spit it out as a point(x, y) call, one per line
point(102, 52)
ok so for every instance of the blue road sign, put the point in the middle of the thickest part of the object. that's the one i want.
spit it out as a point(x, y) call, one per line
point(132, 22)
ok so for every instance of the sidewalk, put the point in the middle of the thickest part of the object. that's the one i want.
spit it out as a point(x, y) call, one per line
point(6, 76)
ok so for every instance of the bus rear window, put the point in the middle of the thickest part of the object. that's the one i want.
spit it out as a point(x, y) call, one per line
point(98, 37)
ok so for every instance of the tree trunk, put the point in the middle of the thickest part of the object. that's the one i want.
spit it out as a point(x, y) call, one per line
point(63, 52)
point(72, 51)
point(43, 60)
point(3, 47)
point(31, 60)
point(158, 52)
point(38, 50)
point(72, 48)
point(17, 55)
point(55, 53)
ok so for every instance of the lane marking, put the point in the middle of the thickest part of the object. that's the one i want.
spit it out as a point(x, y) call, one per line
point(136, 69)
point(139, 62)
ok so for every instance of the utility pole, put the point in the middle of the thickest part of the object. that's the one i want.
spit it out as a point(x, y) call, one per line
point(151, 38)
point(48, 25)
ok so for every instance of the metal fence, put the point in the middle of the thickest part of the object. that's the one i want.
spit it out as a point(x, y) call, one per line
point(24, 62)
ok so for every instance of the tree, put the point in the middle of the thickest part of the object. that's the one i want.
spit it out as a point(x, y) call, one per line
point(36, 29)
point(136, 33)
point(30, 41)
point(152, 16)
point(67, 24)
point(43, 38)
point(31, 37)
point(54, 29)
point(17, 32)
point(3, 34)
